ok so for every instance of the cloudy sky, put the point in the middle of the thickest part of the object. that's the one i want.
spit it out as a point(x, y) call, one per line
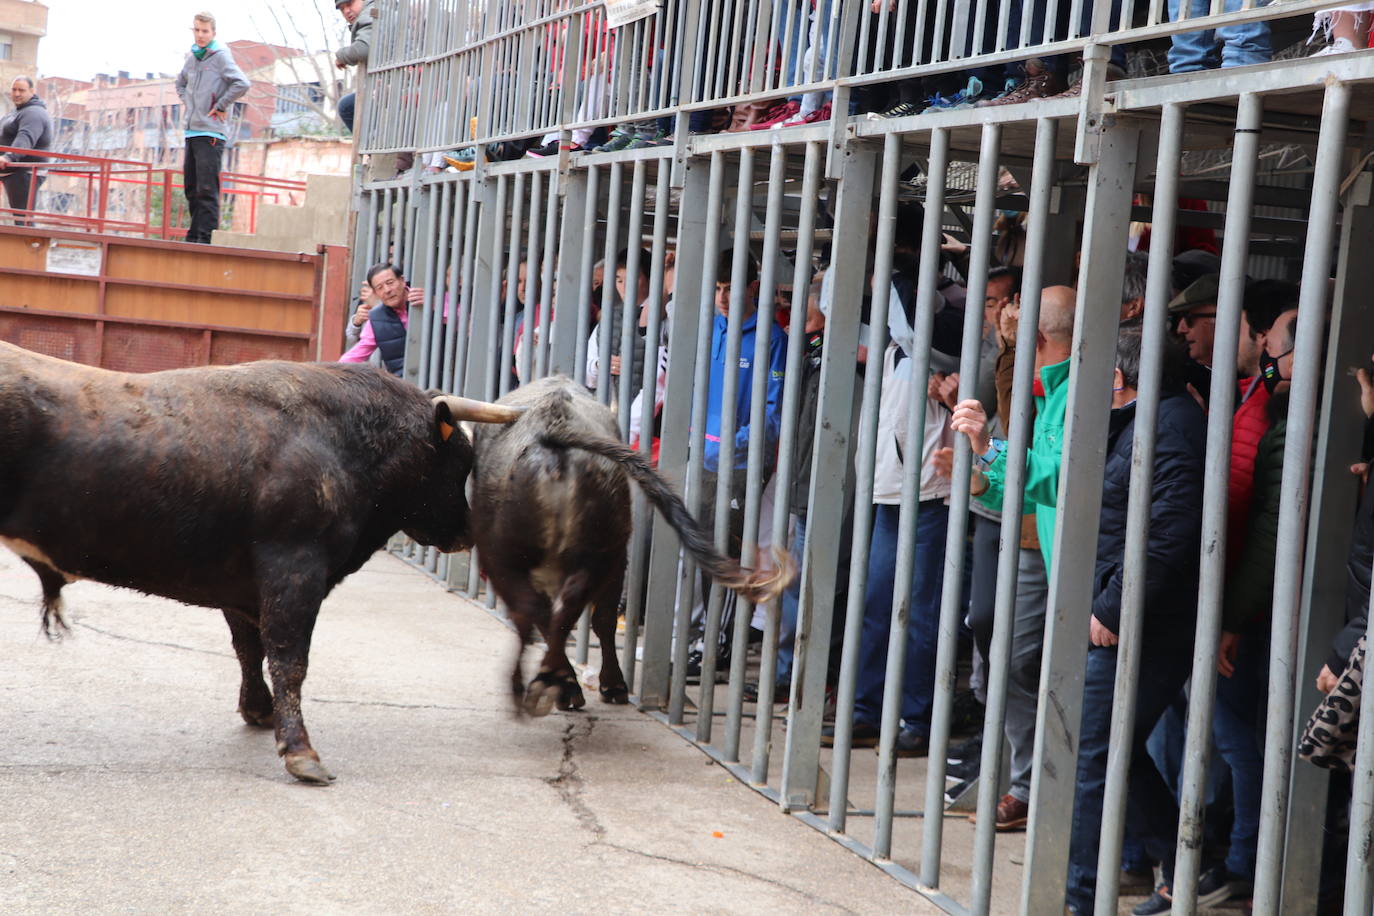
point(86, 37)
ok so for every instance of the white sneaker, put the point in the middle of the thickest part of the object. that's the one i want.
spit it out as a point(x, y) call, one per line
point(1337, 46)
point(798, 118)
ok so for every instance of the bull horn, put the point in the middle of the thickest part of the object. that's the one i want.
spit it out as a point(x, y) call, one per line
point(479, 411)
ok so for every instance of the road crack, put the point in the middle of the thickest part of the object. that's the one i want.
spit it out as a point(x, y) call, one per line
point(569, 783)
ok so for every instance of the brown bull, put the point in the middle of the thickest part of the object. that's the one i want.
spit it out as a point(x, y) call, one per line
point(253, 489)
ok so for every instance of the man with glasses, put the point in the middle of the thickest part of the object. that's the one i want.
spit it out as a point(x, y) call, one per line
point(1194, 313)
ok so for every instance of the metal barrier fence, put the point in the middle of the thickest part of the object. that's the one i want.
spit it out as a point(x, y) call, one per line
point(508, 254)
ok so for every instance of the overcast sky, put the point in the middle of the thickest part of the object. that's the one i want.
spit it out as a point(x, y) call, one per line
point(86, 37)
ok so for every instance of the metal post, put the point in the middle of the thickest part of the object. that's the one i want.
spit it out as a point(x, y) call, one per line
point(511, 280)
point(1075, 546)
point(629, 317)
point(952, 593)
point(1009, 552)
point(1212, 568)
point(546, 301)
point(1155, 331)
point(825, 497)
point(603, 372)
point(739, 289)
point(801, 283)
point(568, 326)
point(1297, 464)
point(758, 441)
point(684, 415)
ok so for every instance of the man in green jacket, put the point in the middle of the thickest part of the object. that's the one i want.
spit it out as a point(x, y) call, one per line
point(1053, 345)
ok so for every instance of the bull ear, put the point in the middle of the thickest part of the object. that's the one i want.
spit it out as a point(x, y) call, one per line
point(450, 410)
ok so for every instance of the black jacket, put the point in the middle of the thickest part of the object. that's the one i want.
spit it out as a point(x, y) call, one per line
point(1357, 578)
point(28, 126)
point(1171, 574)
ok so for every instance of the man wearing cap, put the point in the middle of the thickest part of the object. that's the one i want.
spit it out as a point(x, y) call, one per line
point(210, 82)
point(358, 15)
point(1195, 312)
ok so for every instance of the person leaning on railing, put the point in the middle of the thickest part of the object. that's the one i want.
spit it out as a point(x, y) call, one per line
point(358, 15)
point(27, 127)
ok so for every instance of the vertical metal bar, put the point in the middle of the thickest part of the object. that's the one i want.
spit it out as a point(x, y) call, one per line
point(629, 317)
point(895, 672)
point(467, 302)
point(546, 301)
point(534, 290)
point(639, 548)
point(437, 282)
point(1069, 603)
point(1359, 860)
point(758, 442)
point(454, 286)
point(1154, 333)
point(787, 447)
point(589, 194)
point(1297, 463)
point(1019, 437)
point(603, 373)
point(513, 259)
point(863, 482)
point(739, 289)
point(952, 591)
point(684, 418)
point(1212, 570)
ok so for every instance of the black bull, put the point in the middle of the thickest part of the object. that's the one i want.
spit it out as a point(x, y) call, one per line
point(551, 498)
point(253, 489)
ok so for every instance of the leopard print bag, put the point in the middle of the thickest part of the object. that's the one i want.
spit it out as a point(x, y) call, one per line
point(1329, 739)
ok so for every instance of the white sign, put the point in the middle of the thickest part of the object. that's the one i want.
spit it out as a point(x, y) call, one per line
point(623, 12)
point(68, 256)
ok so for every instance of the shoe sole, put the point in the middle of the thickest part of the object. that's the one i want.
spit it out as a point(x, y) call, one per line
point(1011, 826)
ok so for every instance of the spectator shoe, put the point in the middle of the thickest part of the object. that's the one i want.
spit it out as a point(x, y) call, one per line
point(1012, 814)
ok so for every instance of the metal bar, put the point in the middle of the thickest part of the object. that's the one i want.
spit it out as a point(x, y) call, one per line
point(467, 302)
point(684, 418)
point(1107, 216)
point(801, 762)
point(725, 463)
point(801, 283)
point(639, 548)
point(758, 444)
point(454, 286)
point(1212, 569)
point(629, 317)
point(590, 197)
point(534, 290)
point(1153, 339)
point(1019, 437)
point(1297, 463)
point(513, 262)
point(951, 598)
point(603, 347)
point(544, 320)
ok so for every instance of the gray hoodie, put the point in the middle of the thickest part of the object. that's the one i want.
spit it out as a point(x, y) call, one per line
point(27, 126)
point(212, 83)
point(360, 32)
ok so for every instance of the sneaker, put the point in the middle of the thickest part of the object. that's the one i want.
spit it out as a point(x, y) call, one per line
point(956, 791)
point(694, 659)
point(964, 98)
point(776, 115)
point(780, 692)
point(619, 139)
point(464, 160)
point(1214, 886)
point(964, 769)
point(900, 110)
point(1337, 46)
point(1041, 85)
point(911, 743)
point(1160, 902)
point(643, 141)
point(1114, 72)
point(864, 734)
point(972, 749)
point(543, 152)
point(1012, 814)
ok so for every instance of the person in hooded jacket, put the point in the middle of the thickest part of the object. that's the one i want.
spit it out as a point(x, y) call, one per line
point(209, 84)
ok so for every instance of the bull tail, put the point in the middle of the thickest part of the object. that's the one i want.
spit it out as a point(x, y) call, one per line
point(758, 586)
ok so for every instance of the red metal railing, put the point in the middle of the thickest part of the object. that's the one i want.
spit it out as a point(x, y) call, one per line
point(117, 196)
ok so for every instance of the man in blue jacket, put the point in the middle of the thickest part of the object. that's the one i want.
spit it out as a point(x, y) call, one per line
point(210, 82)
point(1170, 612)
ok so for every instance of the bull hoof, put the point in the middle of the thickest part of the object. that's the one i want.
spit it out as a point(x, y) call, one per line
point(615, 694)
point(306, 766)
point(542, 693)
point(258, 718)
point(570, 697)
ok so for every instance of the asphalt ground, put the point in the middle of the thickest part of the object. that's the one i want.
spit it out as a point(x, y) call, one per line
point(128, 783)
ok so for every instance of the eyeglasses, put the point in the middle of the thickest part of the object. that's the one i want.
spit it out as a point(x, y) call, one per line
point(1188, 319)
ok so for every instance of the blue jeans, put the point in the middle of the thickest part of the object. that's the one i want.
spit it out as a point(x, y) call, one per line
point(923, 626)
point(1236, 725)
point(1165, 663)
point(1232, 46)
point(346, 110)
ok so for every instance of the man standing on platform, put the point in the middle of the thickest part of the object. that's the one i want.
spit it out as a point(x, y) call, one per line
point(210, 82)
point(29, 127)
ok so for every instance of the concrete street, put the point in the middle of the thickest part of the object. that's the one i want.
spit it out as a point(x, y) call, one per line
point(129, 784)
